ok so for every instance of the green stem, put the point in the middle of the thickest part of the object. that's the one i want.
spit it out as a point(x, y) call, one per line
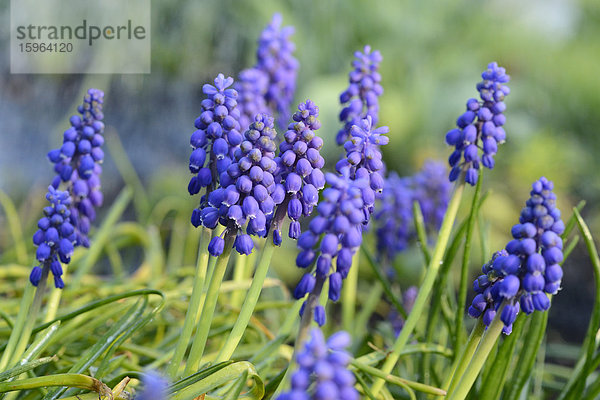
point(14, 225)
point(208, 310)
point(249, 303)
point(576, 384)
point(426, 287)
point(239, 272)
point(493, 383)
point(32, 315)
point(420, 387)
point(421, 231)
point(349, 295)
point(461, 390)
point(15, 334)
point(464, 271)
point(192, 312)
point(72, 380)
point(460, 363)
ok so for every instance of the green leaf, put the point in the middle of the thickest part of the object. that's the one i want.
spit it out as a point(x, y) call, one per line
point(220, 377)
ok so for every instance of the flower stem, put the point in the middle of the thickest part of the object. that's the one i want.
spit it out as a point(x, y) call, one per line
point(208, 310)
point(464, 271)
point(249, 303)
point(192, 312)
point(15, 334)
point(461, 363)
point(72, 380)
point(32, 315)
point(461, 390)
point(426, 287)
point(349, 295)
point(239, 273)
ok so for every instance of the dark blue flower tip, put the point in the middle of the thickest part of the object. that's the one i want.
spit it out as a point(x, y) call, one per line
point(295, 230)
point(526, 302)
point(58, 282)
point(488, 316)
point(319, 315)
point(335, 286)
point(509, 286)
point(306, 285)
point(216, 246)
point(35, 276)
point(277, 239)
point(540, 301)
point(509, 314)
point(244, 244)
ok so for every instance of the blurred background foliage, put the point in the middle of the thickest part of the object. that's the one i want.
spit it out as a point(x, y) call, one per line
point(433, 54)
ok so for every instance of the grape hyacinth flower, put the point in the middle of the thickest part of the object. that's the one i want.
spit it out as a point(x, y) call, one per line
point(394, 216)
point(480, 127)
point(361, 98)
point(334, 234)
point(154, 387)
point(529, 268)
point(248, 192)
point(251, 87)
point(55, 237)
point(432, 190)
point(299, 167)
point(215, 141)
point(275, 58)
point(364, 161)
point(323, 369)
point(77, 163)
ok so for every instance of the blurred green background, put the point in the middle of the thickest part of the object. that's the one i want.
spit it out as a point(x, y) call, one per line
point(433, 54)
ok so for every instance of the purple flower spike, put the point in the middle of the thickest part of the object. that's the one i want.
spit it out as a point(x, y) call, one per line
point(299, 165)
point(361, 98)
point(335, 234)
point(78, 161)
point(251, 86)
point(275, 59)
point(363, 159)
point(480, 126)
point(216, 139)
point(528, 270)
point(245, 201)
point(55, 237)
point(393, 214)
point(323, 369)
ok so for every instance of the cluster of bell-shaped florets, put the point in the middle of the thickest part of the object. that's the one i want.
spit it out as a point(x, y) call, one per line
point(394, 217)
point(361, 98)
point(251, 87)
point(77, 163)
point(299, 167)
point(432, 191)
point(248, 192)
point(529, 269)
point(363, 159)
point(334, 234)
point(54, 238)
point(215, 140)
point(275, 58)
point(480, 127)
point(323, 370)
